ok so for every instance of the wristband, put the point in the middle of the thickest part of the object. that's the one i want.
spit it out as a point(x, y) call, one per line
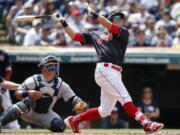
point(24, 93)
point(64, 23)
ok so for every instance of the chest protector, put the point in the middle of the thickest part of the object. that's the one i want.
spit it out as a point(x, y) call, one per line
point(42, 105)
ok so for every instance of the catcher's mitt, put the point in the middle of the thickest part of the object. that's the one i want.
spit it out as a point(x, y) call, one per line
point(81, 107)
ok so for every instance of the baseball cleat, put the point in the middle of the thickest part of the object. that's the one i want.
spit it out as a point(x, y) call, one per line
point(69, 121)
point(153, 127)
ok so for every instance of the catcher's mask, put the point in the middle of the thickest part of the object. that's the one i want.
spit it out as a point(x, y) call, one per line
point(50, 63)
point(112, 13)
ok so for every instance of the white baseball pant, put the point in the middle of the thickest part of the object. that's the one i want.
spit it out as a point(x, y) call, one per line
point(112, 88)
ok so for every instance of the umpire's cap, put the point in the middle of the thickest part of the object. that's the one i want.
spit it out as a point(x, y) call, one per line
point(115, 12)
point(47, 59)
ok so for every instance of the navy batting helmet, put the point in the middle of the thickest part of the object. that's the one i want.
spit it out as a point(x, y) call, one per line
point(115, 12)
point(51, 63)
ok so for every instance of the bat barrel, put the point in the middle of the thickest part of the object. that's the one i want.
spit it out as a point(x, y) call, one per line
point(31, 17)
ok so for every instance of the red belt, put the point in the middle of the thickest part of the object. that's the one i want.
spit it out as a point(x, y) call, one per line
point(117, 68)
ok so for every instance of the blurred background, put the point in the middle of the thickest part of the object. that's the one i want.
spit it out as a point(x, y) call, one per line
point(151, 71)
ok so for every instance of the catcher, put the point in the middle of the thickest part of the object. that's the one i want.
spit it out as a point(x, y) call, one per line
point(39, 93)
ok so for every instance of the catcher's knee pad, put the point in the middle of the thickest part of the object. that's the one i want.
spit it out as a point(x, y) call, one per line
point(22, 106)
point(104, 112)
point(13, 113)
point(57, 125)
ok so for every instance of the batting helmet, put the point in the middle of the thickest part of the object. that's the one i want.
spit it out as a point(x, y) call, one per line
point(115, 12)
point(51, 63)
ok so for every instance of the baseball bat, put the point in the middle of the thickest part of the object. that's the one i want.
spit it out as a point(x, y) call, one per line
point(31, 17)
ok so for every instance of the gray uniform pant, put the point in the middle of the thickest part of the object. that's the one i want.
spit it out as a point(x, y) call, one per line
point(42, 119)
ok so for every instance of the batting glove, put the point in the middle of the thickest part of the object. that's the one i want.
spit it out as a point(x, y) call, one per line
point(90, 12)
point(57, 17)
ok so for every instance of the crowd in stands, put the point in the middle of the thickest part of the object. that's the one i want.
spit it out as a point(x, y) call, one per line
point(151, 23)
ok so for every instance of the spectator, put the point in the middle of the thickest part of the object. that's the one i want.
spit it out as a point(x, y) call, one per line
point(40, 7)
point(149, 3)
point(33, 36)
point(133, 7)
point(60, 39)
point(58, 27)
point(175, 11)
point(6, 71)
point(58, 36)
point(176, 40)
point(12, 13)
point(169, 23)
point(133, 30)
point(2, 8)
point(162, 39)
point(148, 105)
point(21, 28)
point(113, 121)
point(49, 10)
point(76, 20)
point(141, 13)
point(88, 28)
point(150, 31)
point(140, 39)
point(140, 16)
point(111, 5)
point(45, 40)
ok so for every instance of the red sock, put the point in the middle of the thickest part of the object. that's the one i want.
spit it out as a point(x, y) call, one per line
point(90, 114)
point(132, 111)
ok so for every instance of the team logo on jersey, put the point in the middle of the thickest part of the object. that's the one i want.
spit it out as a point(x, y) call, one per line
point(105, 37)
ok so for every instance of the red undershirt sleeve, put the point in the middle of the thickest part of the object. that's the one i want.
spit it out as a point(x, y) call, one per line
point(78, 37)
point(115, 29)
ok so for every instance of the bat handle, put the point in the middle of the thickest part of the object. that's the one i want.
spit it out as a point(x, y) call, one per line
point(43, 16)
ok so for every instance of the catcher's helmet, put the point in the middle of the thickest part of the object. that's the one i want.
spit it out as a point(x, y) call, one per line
point(51, 63)
point(114, 12)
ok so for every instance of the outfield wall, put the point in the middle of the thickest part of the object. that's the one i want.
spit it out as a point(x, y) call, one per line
point(87, 54)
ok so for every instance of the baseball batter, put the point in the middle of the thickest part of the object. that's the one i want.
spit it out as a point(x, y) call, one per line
point(39, 93)
point(110, 48)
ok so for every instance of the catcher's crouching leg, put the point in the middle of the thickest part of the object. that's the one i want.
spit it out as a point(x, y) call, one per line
point(14, 112)
point(57, 125)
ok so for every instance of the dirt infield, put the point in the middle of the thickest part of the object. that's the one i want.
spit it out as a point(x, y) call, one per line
point(90, 132)
point(159, 133)
point(162, 133)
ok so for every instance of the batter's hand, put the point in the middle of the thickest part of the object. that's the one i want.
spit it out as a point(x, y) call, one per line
point(34, 94)
point(89, 11)
point(57, 17)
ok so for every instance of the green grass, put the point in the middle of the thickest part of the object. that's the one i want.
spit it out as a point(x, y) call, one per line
point(88, 131)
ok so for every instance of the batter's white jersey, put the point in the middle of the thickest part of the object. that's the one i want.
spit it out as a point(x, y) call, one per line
point(57, 88)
